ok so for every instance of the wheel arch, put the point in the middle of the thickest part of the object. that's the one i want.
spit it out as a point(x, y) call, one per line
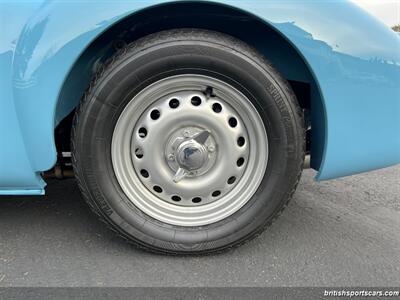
point(265, 37)
point(350, 68)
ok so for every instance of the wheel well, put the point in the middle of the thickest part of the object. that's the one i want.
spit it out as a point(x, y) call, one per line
point(276, 48)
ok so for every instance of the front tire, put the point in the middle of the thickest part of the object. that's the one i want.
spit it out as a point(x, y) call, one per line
point(188, 141)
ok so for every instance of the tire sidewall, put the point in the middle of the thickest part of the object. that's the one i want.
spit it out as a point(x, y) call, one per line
point(137, 67)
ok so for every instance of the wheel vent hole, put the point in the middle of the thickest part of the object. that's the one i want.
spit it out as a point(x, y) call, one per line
point(196, 200)
point(176, 198)
point(240, 162)
point(142, 132)
point(241, 141)
point(155, 114)
point(139, 153)
point(216, 107)
point(232, 122)
point(196, 101)
point(144, 173)
point(216, 193)
point(157, 189)
point(231, 179)
point(174, 103)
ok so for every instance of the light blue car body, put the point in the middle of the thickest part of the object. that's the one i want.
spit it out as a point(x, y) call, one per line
point(351, 60)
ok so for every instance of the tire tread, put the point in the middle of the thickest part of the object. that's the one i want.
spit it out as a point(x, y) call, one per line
point(146, 42)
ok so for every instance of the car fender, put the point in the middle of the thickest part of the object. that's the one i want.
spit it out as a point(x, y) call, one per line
point(354, 58)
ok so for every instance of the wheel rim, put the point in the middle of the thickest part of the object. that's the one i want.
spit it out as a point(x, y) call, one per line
point(189, 150)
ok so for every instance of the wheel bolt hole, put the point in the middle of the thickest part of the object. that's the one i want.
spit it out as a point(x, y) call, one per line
point(216, 193)
point(196, 101)
point(232, 122)
point(231, 179)
point(241, 141)
point(216, 107)
point(176, 198)
point(155, 114)
point(139, 153)
point(196, 200)
point(240, 162)
point(144, 173)
point(142, 132)
point(174, 103)
point(157, 189)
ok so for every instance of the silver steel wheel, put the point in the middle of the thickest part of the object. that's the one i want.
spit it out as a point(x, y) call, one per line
point(189, 150)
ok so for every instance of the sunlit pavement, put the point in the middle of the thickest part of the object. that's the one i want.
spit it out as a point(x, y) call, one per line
point(344, 232)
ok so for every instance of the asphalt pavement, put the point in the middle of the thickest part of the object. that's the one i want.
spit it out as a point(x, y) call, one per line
point(343, 232)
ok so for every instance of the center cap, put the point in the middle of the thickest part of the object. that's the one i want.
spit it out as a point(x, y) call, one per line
point(191, 155)
point(190, 152)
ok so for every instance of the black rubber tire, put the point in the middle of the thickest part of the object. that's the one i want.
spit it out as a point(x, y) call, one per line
point(176, 52)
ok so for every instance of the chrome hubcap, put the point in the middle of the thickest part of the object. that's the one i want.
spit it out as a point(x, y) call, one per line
point(191, 155)
point(189, 150)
